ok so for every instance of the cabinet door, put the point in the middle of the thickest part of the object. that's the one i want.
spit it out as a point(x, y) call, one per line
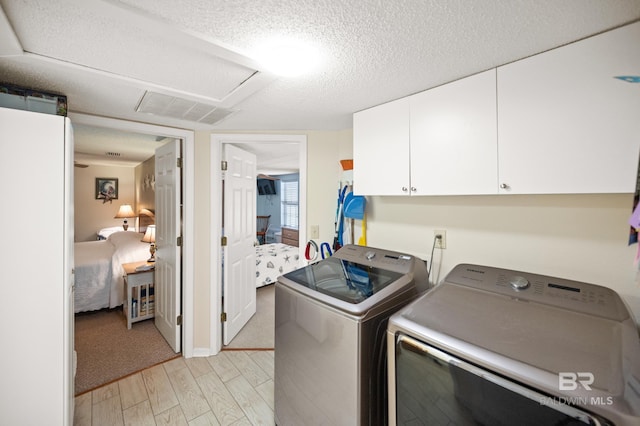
point(381, 149)
point(565, 123)
point(36, 320)
point(454, 138)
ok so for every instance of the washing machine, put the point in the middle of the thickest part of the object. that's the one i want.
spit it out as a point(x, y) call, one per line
point(330, 327)
point(492, 346)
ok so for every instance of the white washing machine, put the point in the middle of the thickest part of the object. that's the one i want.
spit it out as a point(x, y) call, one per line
point(492, 346)
point(330, 326)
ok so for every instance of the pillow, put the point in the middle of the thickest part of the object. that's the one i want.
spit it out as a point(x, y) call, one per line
point(124, 237)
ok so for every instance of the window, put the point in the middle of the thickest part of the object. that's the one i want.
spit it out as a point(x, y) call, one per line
point(289, 199)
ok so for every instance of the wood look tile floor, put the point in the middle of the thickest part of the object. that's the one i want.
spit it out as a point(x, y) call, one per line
point(230, 388)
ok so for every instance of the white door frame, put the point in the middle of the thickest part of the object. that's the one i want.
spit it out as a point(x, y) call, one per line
point(217, 139)
point(188, 179)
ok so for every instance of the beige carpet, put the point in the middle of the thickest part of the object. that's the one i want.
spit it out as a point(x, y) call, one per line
point(259, 332)
point(107, 350)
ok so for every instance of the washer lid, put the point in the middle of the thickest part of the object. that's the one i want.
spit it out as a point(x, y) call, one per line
point(347, 281)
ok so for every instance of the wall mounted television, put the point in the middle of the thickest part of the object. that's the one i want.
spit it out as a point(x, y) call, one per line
point(266, 187)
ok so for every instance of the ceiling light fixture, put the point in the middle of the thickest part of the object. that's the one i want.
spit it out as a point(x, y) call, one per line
point(288, 58)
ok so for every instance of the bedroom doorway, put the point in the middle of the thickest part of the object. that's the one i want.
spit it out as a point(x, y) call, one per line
point(269, 149)
point(185, 269)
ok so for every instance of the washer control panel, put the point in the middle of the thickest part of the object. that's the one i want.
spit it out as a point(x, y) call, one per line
point(567, 294)
point(376, 257)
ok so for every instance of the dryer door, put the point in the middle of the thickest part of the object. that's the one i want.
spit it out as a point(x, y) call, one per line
point(438, 389)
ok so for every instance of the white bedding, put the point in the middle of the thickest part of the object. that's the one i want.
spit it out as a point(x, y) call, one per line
point(99, 281)
point(273, 260)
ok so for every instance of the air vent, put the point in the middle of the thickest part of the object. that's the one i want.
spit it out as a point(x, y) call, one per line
point(112, 154)
point(182, 109)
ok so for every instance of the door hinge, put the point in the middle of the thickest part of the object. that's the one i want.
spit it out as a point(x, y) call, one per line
point(223, 317)
point(179, 320)
point(179, 162)
point(223, 165)
point(223, 241)
point(179, 241)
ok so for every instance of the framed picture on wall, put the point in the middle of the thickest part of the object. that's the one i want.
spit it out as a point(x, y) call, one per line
point(106, 189)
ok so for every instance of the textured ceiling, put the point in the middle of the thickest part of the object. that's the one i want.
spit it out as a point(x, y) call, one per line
point(92, 144)
point(104, 54)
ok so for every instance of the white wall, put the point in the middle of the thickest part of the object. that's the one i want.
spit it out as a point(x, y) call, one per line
point(579, 237)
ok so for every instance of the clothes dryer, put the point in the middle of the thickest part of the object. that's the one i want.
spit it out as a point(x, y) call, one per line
point(492, 346)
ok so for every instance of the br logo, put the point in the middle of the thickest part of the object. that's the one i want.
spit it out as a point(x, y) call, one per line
point(571, 381)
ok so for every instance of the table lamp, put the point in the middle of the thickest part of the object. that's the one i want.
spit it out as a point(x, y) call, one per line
point(125, 212)
point(150, 237)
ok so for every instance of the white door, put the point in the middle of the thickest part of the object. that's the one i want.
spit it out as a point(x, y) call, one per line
point(168, 263)
point(239, 268)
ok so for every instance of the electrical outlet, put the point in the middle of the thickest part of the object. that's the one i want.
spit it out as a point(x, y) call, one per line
point(441, 242)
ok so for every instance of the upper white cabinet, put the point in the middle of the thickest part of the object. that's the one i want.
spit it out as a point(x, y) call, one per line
point(454, 138)
point(561, 122)
point(442, 141)
point(381, 149)
point(565, 123)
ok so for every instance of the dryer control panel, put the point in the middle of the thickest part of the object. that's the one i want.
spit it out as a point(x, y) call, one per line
point(566, 294)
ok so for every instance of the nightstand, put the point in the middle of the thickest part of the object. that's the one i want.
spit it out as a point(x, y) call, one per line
point(139, 301)
point(290, 236)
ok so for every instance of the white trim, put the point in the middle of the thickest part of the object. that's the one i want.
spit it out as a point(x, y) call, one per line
point(188, 179)
point(215, 283)
point(201, 352)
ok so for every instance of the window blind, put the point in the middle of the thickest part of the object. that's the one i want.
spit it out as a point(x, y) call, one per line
point(289, 199)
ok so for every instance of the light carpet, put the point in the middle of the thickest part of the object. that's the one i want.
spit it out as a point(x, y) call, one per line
point(259, 332)
point(107, 350)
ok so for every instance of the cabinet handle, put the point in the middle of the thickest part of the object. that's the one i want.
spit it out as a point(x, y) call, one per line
point(504, 186)
point(404, 189)
point(413, 189)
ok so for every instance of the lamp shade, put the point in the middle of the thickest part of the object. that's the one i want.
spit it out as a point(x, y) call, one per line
point(150, 234)
point(125, 212)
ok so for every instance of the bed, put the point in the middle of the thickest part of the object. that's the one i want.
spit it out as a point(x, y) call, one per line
point(99, 281)
point(273, 260)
